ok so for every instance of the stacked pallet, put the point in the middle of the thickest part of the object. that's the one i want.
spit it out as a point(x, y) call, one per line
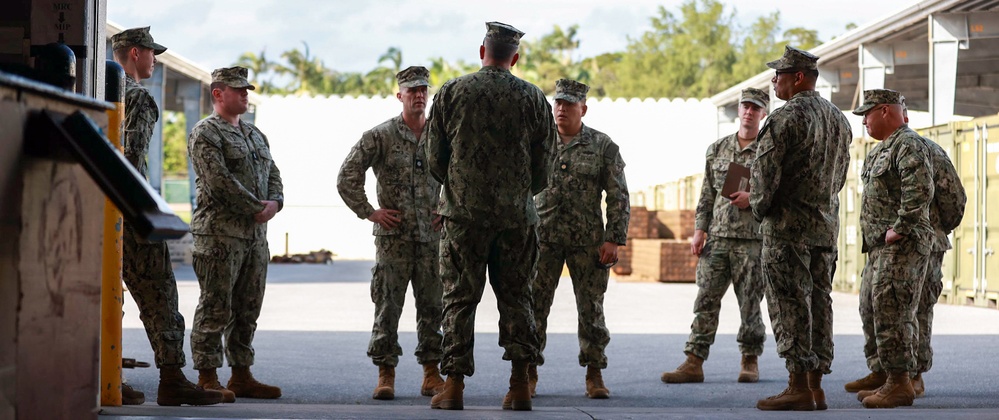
point(658, 247)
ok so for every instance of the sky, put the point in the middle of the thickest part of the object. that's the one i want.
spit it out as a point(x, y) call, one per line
point(350, 35)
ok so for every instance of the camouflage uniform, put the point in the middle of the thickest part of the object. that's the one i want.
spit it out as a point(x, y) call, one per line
point(572, 230)
point(731, 255)
point(795, 197)
point(945, 212)
point(490, 137)
point(410, 251)
point(146, 267)
point(235, 173)
point(898, 189)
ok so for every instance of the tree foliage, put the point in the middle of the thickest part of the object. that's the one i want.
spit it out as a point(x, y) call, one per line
point(697, 50)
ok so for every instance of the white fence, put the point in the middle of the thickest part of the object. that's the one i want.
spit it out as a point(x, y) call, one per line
point(310, 136)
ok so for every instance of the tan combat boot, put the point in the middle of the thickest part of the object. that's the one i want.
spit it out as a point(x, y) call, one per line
point(688, 371)
point(815, 385)
point(750, 369)
point(129, 396)
point(432, 382)
point(872, 381)
point(244, 385)
point(452, 398)
point(918, 386)
point(796, 397)
point(519, 396)
point(595, 387)
point(385, 390)
point(867, 393)
point(176, 390)
point(532, 377)
point(209, 379)
point(897, 391)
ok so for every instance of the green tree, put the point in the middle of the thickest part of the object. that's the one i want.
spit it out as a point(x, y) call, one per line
point(687, 57)
point(174, 144)
point(261, 73)
point(802, 38)
point(759, 45)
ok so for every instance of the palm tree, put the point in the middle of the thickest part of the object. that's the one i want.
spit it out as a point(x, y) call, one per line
point(259, 66)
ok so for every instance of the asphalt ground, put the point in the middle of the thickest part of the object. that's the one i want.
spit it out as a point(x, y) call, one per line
point(312, 340)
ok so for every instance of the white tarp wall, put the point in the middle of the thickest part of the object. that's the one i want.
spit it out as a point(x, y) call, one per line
point(660, 141)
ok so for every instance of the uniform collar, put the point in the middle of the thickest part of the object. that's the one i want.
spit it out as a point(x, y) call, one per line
point(581, 138)
point(400, 124)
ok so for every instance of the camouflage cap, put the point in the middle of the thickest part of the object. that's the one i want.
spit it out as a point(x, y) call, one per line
point(501, 32)
point(570, 90)
point(234, 77)
point(755, 96)
point(136, 37)
point(413, 76)
point(875, 97)
point(795, 59)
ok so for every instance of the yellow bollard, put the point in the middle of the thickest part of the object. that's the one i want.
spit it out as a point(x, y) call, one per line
point(112, 296)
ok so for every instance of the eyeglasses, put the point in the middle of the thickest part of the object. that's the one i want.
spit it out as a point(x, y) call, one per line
point(777, 73)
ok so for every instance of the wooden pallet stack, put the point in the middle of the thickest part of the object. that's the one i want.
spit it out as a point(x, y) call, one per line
point(658, 247)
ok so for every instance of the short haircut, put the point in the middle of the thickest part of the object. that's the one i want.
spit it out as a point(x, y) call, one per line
point(216, 85)
point(500, 51)
point(121, 54)
point(811, 74)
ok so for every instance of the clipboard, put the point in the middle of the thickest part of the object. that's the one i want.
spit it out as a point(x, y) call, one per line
point(736, 180)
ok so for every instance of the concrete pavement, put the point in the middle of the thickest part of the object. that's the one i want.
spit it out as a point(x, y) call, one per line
point(316, 320)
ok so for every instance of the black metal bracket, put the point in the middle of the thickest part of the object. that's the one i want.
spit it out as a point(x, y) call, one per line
point(77, 138)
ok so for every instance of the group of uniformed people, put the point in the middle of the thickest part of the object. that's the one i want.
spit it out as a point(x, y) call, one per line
point(495, 180)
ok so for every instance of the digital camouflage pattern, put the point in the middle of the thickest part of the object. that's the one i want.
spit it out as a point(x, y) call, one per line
point(758, 97)
point(235, 172)
point(413, 76)
point(569, 207)
point(572, 230)
point(491, 156)
point(795, 59)
point(490, 137)
point(397, 158)
point(798, 281)
point(503, 33)
point(232, 273)
point(792, 194)
point(234, 77)
point(723, 262)
point(589, 283)
point(570, 90)
point(731, 254)
point(136, 37)
point(945, 211)
point(408, 252)
point(510, 256)
point(715, 214)
point(875, 97)
point(146, 268)
point(898, 190)
point(398, 261)
point(795, 197)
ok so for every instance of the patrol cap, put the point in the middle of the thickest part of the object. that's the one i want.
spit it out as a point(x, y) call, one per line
point(413, 76)
point(570, 90)
point(136, 37)
point(755, 96)
point(503, 33)
point(234, 77)
point(795, 59)
point(875, 97)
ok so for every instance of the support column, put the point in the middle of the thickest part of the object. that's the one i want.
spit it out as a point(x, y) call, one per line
point(875, 60)
point(828, 82)
point(948, 34)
